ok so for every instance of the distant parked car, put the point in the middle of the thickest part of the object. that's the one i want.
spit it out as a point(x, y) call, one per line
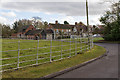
point(96, 35)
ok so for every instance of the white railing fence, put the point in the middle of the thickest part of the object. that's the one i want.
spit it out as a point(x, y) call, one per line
point(35, 52)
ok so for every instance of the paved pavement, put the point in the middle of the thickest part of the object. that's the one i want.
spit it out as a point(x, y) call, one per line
point(106, 67)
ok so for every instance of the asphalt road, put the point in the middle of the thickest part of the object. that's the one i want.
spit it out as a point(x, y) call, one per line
point(106, 67)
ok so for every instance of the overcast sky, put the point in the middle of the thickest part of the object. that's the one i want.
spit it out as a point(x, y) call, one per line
point(69, 10)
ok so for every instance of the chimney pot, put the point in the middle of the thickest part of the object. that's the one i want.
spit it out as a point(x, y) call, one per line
point(56, 22)
point(75, 23)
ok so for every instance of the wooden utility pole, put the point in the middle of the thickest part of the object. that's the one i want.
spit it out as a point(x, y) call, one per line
point(87, 18)
point(87, 13)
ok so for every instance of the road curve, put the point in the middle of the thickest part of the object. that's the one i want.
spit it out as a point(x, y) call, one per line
point(106, 67)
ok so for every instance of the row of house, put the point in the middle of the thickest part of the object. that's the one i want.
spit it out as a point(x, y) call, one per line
point(30, 32)
point(53, 31)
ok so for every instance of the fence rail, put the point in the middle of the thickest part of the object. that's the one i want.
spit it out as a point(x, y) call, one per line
point(54, 50)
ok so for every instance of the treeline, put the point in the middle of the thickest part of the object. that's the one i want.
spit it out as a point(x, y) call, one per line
point(38, 24)
point(7, 31)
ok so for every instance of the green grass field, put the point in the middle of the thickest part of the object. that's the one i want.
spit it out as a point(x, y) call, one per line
point(28, 51)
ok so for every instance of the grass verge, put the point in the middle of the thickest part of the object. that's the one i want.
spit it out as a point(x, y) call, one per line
point(97, 39)
point(101, 40)
point(45, 69)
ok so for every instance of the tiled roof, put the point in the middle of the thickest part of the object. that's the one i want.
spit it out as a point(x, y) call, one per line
point(61, 26)
point(33, 32)
point(23, 28)
point(49, 31)
point(66, 26)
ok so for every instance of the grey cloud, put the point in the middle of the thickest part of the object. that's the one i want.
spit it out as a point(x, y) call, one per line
point(67, 8)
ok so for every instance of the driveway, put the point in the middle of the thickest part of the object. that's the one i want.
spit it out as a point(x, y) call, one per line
point(106, 67)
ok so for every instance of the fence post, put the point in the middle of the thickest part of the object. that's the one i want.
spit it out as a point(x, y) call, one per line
point(37, 52)
point(61, 49)
point(81, 39)
point(51, 50)
point(75, 47)
point(85, 44)
point(88, 43)
point(81, 44)
point(92, 42)
point(18, 54)
point(70, 48)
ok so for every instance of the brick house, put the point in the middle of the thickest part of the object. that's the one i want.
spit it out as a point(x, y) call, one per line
point(49, 34)
point(21, 32)
point(67, 30)
point(79, 30)
point(35, 34)
point(40, 34)
point(29, 32)
point(54, 31)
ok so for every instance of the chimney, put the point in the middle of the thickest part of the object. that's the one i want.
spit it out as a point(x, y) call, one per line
point(75, 23)
point(56, 22)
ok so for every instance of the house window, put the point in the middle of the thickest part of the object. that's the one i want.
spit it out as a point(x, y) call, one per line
point(62, 30)
point(20, 35)
point(80, 30)
point(23, 29)
point(57, 30)
point(75, 29)
point(69, 30)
